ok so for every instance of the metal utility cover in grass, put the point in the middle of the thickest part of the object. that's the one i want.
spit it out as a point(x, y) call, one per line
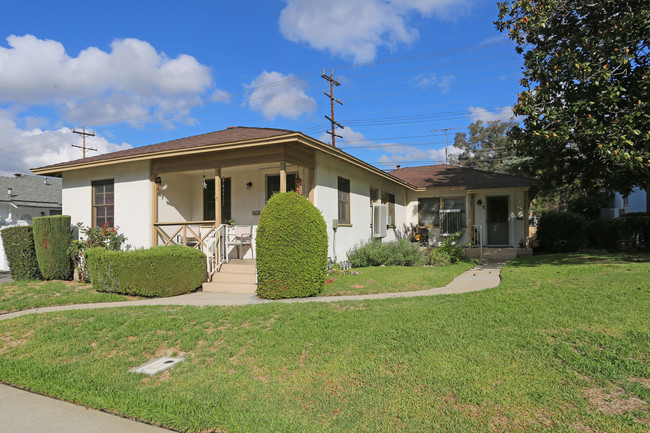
point(157, 365)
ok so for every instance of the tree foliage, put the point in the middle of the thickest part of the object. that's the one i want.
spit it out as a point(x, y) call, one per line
point(586, 83)
point(487, 147)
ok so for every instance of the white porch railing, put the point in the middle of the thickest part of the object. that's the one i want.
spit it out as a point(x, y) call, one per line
point(203, 235)
point(477, 237)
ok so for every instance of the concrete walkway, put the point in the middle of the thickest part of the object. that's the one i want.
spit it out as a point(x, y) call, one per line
point(23, 411)
point(483, 276)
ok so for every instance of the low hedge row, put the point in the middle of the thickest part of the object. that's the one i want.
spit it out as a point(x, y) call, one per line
point(155, 272)
point(567, 231)
point(18, 244)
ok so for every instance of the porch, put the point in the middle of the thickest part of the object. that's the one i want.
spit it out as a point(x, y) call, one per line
point(198, 200)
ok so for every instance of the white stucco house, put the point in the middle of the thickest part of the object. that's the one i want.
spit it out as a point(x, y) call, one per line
point(24, 197)
point(618, 204)
point(182, 191)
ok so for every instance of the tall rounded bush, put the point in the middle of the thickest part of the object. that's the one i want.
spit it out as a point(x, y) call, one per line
point(291, 246)
point(52, 237)
point(559, 231)
point(18, 244)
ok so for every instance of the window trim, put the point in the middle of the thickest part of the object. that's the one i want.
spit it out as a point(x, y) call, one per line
point(93, 206)
point(390, 208)
point(346, 202)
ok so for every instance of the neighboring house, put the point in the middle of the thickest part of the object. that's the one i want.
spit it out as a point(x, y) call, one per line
point(23, 197)
point(180, 191)
point(617, 204)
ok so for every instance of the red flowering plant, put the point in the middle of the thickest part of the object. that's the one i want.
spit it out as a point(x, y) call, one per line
point(104, 236)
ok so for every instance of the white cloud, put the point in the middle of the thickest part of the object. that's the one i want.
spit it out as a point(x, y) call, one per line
point(96, 86)
point(430, 80)
point(351, 138)
point(275, 94)
point(23, 149)
point(407, 154)
point(357, 28)
point(479, 113)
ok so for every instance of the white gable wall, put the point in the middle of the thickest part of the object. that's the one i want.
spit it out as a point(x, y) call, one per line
point(132, 198)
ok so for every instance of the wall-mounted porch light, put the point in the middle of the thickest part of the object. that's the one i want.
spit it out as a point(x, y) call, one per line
point(249, 185)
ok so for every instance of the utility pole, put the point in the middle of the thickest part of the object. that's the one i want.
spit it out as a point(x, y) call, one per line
point(330, 95)
point(83, 133)
point(444, 129)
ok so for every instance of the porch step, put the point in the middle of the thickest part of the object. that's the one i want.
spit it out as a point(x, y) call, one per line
point(215, 287)
point(237, 266)
point(499, 253)
point(236, 276)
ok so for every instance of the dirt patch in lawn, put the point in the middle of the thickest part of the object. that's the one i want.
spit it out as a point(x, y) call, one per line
point(614, 401)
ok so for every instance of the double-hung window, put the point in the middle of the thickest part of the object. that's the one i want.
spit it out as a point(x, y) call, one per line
point(344, 200)
point(103, 206)
point(389, 200)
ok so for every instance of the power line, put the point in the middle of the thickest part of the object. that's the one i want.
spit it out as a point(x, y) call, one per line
point(83, 133)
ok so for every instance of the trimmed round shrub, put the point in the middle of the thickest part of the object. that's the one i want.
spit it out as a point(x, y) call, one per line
point(160, 271)
point(559, 232)
point(291, 246)
point(18, 244)
point(52, 237)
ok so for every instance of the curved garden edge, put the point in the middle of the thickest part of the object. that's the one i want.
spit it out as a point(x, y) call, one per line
point(483, 276)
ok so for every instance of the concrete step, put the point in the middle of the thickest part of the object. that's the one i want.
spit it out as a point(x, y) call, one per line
point(237, 266)
point(499, 253)
point(234, 277)
point(230, 288)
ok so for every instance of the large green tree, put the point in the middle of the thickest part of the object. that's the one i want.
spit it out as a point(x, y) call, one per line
point(585, 99)
point(486, 146)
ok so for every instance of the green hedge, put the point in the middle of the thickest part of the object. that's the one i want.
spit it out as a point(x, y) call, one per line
point(606, 232)
point(291, 245)
point(52, 237)
point(559, 231)
point(159, 271)
point(18, 244)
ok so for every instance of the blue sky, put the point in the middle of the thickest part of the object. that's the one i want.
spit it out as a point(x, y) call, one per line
point(142, 72)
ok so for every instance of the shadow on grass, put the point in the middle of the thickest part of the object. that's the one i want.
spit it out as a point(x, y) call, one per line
point(581, 258)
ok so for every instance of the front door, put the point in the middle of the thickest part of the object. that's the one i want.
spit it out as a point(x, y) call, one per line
point(497, 220)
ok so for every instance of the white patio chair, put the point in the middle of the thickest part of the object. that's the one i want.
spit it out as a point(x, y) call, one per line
point(243, 235)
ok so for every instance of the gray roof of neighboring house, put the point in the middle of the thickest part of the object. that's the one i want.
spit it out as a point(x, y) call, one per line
point(31, 191)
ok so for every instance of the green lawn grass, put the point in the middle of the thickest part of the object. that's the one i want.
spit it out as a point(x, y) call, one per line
point(22, 295)
point(385, 279)
point(563, 344)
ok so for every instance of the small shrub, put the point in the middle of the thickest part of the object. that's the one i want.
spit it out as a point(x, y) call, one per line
point(52, 236)
point(105, 237)
point(291, 245)
point(376, 253)
point(159, 271)
point(448, 252)
point(18, 244)
point(559, 232)
point(603, 233)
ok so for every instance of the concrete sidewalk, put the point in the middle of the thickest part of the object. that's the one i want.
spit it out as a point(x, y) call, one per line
point(483, 276)
point(23, 411)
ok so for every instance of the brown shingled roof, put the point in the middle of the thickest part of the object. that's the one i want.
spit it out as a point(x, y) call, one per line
point(229, 135)
point(441, 176)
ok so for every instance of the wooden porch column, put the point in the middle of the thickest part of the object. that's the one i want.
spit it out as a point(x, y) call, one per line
point(470, 219)
point(283, 176)
point(154, 210)
point(526, 211)
point(310, 185)
point(217, 196)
